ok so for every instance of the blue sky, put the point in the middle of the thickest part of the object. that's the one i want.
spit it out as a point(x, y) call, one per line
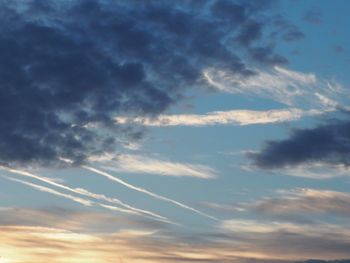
point(174, 131)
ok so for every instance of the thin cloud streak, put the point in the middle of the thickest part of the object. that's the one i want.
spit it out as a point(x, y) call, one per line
point(143, 164)
point(306, 201)
point(233, 117)
point(51, 191)
point(289, 87)
point(141, 190)
point(311, 170)
point(130, 209)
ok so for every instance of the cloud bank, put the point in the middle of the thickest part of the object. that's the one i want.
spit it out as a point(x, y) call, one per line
point(237, 241)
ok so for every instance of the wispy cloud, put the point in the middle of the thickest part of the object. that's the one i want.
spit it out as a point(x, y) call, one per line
point(142, 164)
point(315, 170)
point(280, 84)
point(299, 203)
point(306, 201)
point(233, 117)
point(312, 170)
point(254, 226)
point(142, 190)
point(238, 241)
point(227, 208)
point(292, 88)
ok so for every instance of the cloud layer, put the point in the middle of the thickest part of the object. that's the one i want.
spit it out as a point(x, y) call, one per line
point(237, 241)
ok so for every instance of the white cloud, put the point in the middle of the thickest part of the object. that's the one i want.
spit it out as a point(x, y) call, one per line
point(253, 226)
point(312, 170)
point(234, 117)
point(267, 228)
point(304, 93)
point(141, 164)
point(315, 170)
point(280, 84)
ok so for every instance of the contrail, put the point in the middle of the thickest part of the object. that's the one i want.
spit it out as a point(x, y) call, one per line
point(83, 201)
point(87, 193)
point(160, 197)
point(51, 191)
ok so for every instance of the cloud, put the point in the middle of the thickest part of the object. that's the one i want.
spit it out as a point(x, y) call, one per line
point(314, 170)
point(227, 208)
point(72, 63)
point(233, 117)
point(76, 220)
point(287, 31)
point(326, 144)
point(299, 203)
point(149, 246)
point(142, 164)
point(289, 240)
point(305, 202)
point(313, 16)
point(257, 227)
point(280, 84)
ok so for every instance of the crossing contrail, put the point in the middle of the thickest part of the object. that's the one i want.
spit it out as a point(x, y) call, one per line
point(51, 191)
point(88, 194)
point(142, 190)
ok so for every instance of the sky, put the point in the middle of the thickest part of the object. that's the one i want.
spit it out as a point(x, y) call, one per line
point(174, 131)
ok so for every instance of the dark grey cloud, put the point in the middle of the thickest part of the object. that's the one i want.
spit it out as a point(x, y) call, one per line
point(313, 16)
point(327, 143)
point(266, 56)
point(286, 30)
point(67, 64)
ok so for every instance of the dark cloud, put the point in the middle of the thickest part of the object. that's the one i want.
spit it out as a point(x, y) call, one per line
point(328, 143)
point(313, 16)
point(250, 33)
point(286, 30)
point(266, 56)
point(66, 65)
